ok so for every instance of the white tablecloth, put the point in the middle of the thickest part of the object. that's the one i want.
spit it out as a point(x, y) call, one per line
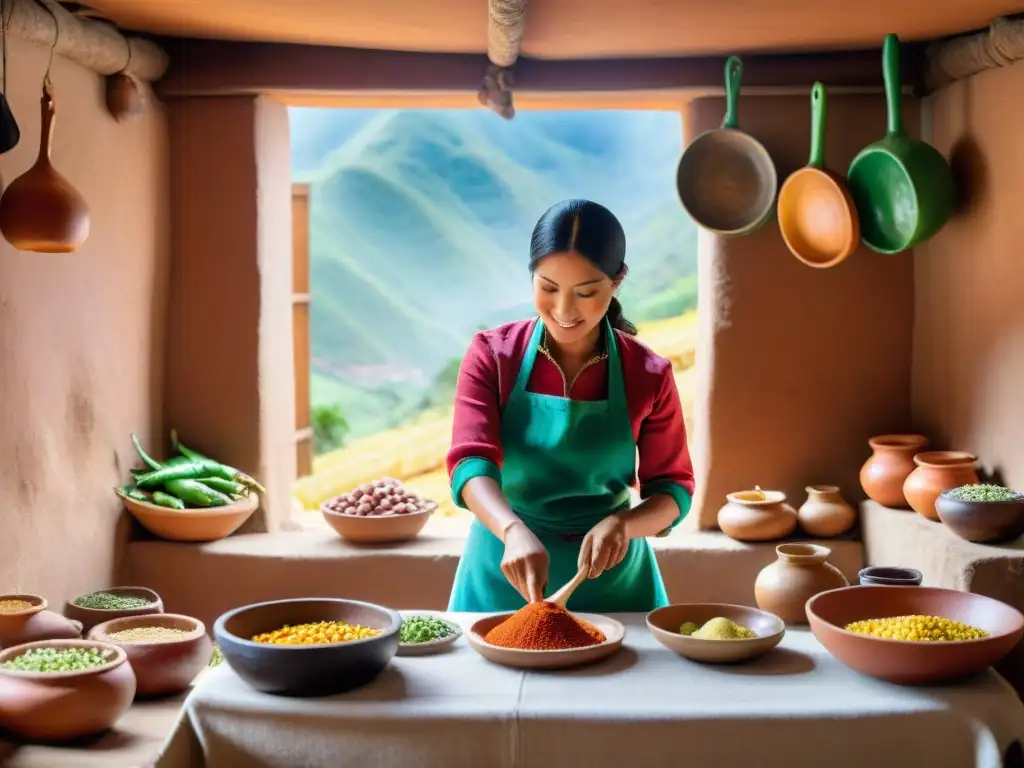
point(645, 706)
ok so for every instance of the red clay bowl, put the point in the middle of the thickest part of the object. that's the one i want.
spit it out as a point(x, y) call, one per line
point(162, 667)
point(62, 706)
point(907, 662)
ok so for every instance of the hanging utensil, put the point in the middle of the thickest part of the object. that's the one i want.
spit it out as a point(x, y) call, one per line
point(817, 215)
point(904, 188)
point(124, 94)
point(726, 179)
point(10, 134)
point(41, 211)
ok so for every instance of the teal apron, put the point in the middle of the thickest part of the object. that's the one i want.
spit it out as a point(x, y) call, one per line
point(568, 464)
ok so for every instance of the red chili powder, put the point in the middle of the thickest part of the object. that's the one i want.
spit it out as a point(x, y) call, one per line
point(544, 627)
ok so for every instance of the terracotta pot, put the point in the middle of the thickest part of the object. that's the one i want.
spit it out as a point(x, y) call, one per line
point(61, 706)
point(164, 667)
point(757, 516)
point(891, 462)
point(35, 623)
point(937, 471)
point(801, 572)
point(90, 617)
point(825, 513)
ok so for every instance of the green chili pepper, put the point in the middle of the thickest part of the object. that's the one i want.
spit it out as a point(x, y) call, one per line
point(196, 493)
point(133, 493)
point(226, 487)
point(150, 462)
point(167, 500)
point(219, 469)
point(194, 470)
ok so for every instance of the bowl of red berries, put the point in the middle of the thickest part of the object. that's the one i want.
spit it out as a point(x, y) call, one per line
point(380, 512)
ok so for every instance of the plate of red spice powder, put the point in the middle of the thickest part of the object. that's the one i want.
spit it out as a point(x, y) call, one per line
point(543, 635)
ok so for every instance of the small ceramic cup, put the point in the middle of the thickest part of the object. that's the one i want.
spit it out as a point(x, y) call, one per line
point(890, 577)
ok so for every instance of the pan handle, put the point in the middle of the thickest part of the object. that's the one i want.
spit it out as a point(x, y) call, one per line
point(893, 83)
point(817, 126)
point(733, 77)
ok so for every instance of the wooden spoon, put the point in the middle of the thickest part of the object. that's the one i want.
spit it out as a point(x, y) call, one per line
point(40, 210)
point(561, 597)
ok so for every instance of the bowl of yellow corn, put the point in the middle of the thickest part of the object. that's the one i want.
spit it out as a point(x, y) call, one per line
point(308, 646)
point(913, 635)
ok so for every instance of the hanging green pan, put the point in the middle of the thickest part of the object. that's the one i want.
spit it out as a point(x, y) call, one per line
point(903, 188)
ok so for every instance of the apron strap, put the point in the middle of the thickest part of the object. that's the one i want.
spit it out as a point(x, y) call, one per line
point(526, 367)
point(616, 380)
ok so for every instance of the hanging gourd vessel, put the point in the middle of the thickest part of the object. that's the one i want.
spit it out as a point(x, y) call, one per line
point(41, 211)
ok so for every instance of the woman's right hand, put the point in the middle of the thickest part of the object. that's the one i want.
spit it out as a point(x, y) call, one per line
point(525, 563)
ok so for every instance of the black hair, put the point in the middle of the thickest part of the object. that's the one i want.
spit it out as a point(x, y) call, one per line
point(592, 231)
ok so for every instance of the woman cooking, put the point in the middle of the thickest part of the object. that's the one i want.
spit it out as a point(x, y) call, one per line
point(550, 416)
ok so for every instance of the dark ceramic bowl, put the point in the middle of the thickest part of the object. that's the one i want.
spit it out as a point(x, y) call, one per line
point(307, 670)
point(907, 662)
point(890, 577)
point(983, 522)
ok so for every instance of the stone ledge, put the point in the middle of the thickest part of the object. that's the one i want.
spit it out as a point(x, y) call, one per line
point(896, 537)
point(204, 580)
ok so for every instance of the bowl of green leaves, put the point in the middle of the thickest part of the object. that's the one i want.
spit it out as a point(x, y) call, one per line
point(982, 513)
point(426, 632)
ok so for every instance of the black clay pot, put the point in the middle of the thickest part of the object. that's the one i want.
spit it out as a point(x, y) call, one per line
point(307, 670)
point(983, 522)
point(890, 577)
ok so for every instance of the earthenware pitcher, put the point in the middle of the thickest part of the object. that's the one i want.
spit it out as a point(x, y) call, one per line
point(891, 462)
point(757, 516)
point(937, 471)
point(801, 572)
point(825, 513)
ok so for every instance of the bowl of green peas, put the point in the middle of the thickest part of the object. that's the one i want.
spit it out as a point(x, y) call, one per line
point(425, 632)
point(59, 690)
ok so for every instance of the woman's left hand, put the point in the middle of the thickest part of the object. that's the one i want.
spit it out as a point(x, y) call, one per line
point(604, 546)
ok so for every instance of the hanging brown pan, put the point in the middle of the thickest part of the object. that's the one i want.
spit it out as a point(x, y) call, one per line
point(817, 215)
point(726, 179)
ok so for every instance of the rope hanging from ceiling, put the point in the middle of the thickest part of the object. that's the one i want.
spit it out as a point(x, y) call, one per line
point(999, 46)
point(506, 23)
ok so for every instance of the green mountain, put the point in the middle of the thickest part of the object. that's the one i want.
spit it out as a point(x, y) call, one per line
point(420, 227)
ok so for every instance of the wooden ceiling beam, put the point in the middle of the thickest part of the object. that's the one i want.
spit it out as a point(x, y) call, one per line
point(218, 68)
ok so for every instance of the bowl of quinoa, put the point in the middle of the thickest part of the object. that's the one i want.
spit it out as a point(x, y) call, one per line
point(166, 650)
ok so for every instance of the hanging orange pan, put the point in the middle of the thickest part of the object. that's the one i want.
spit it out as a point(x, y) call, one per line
point(817, 215)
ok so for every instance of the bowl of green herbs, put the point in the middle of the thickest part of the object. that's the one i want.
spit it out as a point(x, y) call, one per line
point(982, 513)
point(189, 496)
point(94, 608)
point(426, 632)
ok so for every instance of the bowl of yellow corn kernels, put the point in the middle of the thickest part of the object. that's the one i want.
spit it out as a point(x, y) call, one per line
point(913, 635)
point(308, 646)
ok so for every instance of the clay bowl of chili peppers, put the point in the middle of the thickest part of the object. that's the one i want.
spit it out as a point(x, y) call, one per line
point(543, 635)
point(188, 497)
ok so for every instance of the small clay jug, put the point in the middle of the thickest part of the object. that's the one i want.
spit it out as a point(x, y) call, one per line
point(35, 623)
point(757, 516)
point(937, 471)
point(825, 513)
point(801, 572)
point(890, 464)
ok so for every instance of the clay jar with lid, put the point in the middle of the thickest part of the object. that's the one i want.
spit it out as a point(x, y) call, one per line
point(891, 462)
point(937, 471)
point(801, 572)
point(825, 513)
point(757, 516)
point(34, 623)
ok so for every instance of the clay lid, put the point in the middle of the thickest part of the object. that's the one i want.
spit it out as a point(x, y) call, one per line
point(756, 497)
